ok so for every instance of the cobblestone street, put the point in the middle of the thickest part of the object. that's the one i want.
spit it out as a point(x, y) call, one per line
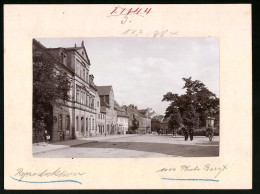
point(134, 146)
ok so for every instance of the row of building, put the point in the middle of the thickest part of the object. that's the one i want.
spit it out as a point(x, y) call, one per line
point(92, 110)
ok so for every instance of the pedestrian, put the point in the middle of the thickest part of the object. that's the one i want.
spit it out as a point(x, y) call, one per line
point(46, 136)
point(61, 136)
point(191, 134)
point(185, 133)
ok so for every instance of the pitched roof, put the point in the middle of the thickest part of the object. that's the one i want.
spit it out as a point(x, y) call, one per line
point(142, 111)
point(103, 103)
point(165, 120)
point(159, 117)
point(104, 90)
point(117, 106)
point(122, 114)
point(135, 111)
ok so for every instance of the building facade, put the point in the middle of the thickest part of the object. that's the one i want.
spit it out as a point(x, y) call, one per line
point(76, 117)
point(144, 122)
point(122, 119)
point(106, 95)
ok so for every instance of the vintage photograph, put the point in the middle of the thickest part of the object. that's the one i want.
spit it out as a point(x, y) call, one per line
point(126, 97)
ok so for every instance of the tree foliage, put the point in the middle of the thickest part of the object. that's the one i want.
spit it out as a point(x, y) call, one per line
point(49, 84)
point(197, 95)
point(175, 120)
point(135, 124)
point(155, 124)
point(191, 117)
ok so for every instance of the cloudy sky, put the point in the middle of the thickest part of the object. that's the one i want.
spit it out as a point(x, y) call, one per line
point(142, 70)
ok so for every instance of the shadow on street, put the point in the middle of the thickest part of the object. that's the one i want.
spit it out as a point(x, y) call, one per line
point(163, 148)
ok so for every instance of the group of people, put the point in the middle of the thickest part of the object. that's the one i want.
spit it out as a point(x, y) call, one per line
point(187, 133)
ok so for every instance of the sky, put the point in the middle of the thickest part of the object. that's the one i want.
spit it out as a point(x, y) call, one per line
point(142, 70)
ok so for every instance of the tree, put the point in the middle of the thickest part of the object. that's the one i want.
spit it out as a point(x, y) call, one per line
point(190, 117)
point(135, 124)
point(155, 125)
point(175, 120)
point(49, 84)
point(197, 95)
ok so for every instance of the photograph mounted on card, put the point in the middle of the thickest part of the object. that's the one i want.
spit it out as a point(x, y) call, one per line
point(128, 96)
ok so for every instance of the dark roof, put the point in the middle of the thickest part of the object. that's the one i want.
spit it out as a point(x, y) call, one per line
point(142, 111)
point(46, 51)
point(103, 103)
point(159, 117)
point(136, 111)
point(122, 114)
point(117, 106)
point(104, 90)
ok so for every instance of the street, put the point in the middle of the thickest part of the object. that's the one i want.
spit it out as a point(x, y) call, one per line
point(139, 146)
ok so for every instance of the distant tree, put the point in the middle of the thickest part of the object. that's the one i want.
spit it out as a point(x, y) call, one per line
point(155, 124)
point(175, 120)
point(197, 95)
point(49, 85)
point(135, 124)
point(190, 117)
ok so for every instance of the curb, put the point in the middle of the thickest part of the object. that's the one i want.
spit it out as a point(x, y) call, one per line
point(55, 149)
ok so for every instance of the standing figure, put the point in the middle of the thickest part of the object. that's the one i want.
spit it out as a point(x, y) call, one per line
point(191, 134)
point(185, 132)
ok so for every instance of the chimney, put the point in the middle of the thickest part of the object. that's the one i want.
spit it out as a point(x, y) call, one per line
point(75, 45)
point(82, 43)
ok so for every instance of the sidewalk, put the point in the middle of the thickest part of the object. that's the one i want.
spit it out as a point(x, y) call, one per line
point(43, 147)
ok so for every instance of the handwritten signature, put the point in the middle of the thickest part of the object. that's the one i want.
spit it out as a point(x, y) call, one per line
point(217, 170)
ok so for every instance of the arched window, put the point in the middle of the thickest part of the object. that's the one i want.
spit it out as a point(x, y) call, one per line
point(82, 124)
point(86, 124)
point(67, 124)
point(77, 123)
point(60, 122)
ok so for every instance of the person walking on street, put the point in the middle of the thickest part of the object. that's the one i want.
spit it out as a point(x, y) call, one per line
point(185, 133)
point(191, 134)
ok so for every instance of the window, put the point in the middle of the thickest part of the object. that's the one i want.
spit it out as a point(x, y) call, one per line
point(97, 104)
point(83, 74)
point(87, 100)
point(83, 98)
point(63, 58)
point(77, 123)
point(82, 125)
point(86, 124)
point(67, 124)
point(80, 73)
point(60, 122)
point(87, 76)
point(93, 101)
point(93, 125)
point(77, 97)
point(77, 70)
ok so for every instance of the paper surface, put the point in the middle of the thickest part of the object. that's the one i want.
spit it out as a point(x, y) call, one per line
point(230, 23)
